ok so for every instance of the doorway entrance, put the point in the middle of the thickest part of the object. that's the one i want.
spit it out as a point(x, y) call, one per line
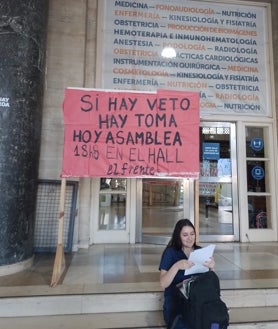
point(164, 201)
point(218, 190)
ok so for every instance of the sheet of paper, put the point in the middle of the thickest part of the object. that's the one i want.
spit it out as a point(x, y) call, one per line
point(198, 257)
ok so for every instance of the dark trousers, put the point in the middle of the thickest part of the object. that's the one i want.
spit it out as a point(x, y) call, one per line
point(172, 314)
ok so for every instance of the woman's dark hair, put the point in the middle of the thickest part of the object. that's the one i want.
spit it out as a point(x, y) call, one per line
point(175, 240)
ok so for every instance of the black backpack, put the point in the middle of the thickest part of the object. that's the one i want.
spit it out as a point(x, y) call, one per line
point(202, 307)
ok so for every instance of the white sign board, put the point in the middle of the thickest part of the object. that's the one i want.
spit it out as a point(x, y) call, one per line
point(220, 49)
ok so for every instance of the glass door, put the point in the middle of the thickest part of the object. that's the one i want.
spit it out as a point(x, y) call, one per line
point(218, 205)
point(260, 224)
point(112, 220)
point(164, 201)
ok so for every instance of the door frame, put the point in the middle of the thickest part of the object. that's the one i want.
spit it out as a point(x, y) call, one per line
point(109, 236)
point(265, 234)
point(189, 198)
point(233, 180)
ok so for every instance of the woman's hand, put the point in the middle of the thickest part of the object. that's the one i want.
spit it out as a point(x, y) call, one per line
point(210, 263)
point(184, 264)
point(166, 277)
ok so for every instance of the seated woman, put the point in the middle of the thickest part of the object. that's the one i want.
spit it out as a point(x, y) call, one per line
point(174, 262)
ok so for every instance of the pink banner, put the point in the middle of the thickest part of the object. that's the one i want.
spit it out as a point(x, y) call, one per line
point(131, 134)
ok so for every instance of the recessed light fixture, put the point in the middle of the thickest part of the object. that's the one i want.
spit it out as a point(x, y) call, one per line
point(168, 52)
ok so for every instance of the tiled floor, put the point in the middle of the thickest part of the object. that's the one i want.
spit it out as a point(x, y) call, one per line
point(116, 267)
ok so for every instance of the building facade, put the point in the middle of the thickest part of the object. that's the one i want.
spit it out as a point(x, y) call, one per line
point(235, 197)
point(232, 207)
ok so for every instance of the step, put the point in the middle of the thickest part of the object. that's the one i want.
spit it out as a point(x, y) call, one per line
point(130, 320)
point(87, 303)
point(119, 302)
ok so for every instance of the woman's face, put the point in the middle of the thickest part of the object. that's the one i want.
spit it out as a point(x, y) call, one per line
point(187, 236)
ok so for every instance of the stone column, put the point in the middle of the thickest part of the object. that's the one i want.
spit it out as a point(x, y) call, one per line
point(23, 27)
